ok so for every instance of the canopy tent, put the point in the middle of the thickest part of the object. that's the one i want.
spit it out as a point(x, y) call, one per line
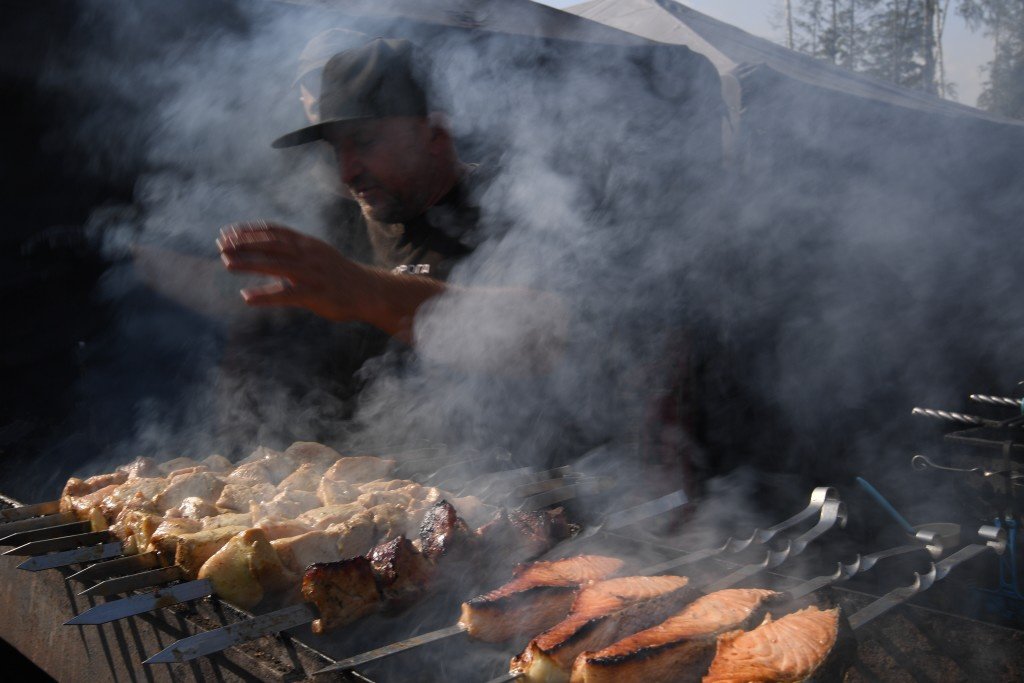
point(731, 50)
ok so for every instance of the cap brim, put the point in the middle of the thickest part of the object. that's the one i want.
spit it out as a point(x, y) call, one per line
point(311, 133)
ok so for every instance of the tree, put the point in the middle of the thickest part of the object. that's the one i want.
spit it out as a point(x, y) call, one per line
point(1003, 21)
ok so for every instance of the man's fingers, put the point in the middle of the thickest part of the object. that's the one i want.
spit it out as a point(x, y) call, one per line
point(258, 236)
point(263, 265)
point(279, 293)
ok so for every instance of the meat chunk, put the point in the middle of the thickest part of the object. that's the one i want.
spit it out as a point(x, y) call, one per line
point(275, 527)
point(522, 535)
point(442, 529)
point(239, 496)
point(360, 469)
point(137, 493)
point(164, 538)
point(392, 520)
point(601, 614)
point(402, 573)
point(227, 519)
point(204, 485)
point(245, 568)
point(285, 504)
point(537, 598)
point(678, 648)
point(342, 591)
point(194, 507)
point(313, 453)
point(358, 534)
point(192, 550)
point(217, 463)
point(82, 505)
point(305, 478)
point(76, 488)
point(298, 552)
point(332, 492)
point(141, 467)
point(251, 474)
point(323, 517)
point(790, 649)
point(173, 464)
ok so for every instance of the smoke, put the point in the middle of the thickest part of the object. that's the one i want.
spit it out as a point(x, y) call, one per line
point(853, 263)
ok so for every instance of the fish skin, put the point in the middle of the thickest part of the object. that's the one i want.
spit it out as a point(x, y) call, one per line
point(539, 596)
point(673, 650)
point(601, 613)
point(788, 650)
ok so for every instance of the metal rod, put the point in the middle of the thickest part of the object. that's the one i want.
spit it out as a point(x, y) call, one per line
point(50, 545)
point(955, 417)
point(139, 604)
point(886, 505)
point(69, 557)
point(145, 579)
point(1002, 401)
point(48, 532)
point(26, 511)
point(119, 567)
point(38, 523)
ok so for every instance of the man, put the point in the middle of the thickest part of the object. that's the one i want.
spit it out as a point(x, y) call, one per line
point(398, 162)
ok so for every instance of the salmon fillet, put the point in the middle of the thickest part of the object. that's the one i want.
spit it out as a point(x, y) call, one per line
point(601, 614)
point(536, 599)
point(787, 651)
point(672, 650)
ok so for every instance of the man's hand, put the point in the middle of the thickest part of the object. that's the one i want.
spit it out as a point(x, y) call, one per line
point(314, 275)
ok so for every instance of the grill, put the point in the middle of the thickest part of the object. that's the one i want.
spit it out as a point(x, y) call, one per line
point(918, 642)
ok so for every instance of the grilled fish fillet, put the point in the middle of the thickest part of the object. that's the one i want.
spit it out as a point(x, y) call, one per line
point(537, 598)
point(601, 614)
point(788, 650)
point(671, 651)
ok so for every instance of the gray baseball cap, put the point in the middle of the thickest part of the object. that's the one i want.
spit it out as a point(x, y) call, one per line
point(372, 81)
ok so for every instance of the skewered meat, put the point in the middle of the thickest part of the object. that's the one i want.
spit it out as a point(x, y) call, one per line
point(360, 469)
point(164, 538)
point(275, 527)
point(135, 493)
point(173, 464)
point(342, 591)
point(191, 550)
point(204, 485)
point(537, 598)
point(239, 496)
point(526, 534)
point(442, 529)
point(76, 488)
point(791, 649)
point(289, 503)
point(313, 453)
point(601, 614)
point(334, 492)
point(259, 453)
point(217, 463)
point(305, 478)
point(245, 568)
point(677, 650)
point(323, 517)
point(141, 467)
point(83, 505)
point(251, 474)
point(358, 534)
point(194, 507)
point(227, 519)
point(402, 572)
point(298, 552)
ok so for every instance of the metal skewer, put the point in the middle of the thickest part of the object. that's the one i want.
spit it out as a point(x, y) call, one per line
point(49, 545)
point(137, 604)
point(48, 532)
point(27, 511)
point(138, 581)
point(117, 567)
point(44, 522)
point(995, 540)
point(949, 416)
point(224, 637)
point(819, 498)
point(1002, 401)
point(69, 557)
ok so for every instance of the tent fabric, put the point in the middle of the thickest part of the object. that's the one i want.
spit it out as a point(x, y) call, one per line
point(729, 47)
point(513, 17)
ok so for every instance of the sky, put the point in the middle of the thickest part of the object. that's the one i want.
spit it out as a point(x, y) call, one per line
point(966, 51)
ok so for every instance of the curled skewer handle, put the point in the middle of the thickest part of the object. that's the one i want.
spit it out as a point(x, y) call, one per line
point(886, 505)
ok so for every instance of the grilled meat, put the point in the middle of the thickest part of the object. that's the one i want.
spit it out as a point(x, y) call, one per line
point(342, 591)
point(323, 517)
point(76, 488)
point(360, 469)
point(141, 467)
point(441, 530)
point(305, 478)
point(313, 453)
point(527, 534)
point(402, 571)
point(245, 568)
point(537, 598)
point(791, 649)
point(298, 552)
point(288, 503)
point(677, 650)
point(239, 496)
point(601, 614)
point(194, 507)
point(205, 485)
point(191, 550)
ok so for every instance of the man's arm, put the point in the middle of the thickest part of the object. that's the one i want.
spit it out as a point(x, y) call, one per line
point(315, 276)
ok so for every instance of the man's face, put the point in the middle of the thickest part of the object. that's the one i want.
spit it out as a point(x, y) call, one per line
point(387, 164)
